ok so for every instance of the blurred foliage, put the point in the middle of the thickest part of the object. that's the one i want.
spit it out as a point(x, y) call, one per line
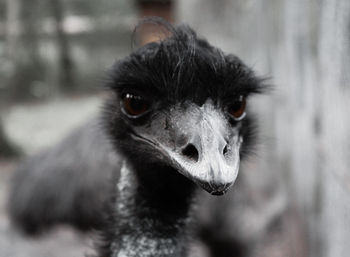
point(7, 148)
point(100, 8)
point(60, 46)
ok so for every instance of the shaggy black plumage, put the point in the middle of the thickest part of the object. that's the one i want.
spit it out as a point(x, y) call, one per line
point(65, 184)
point(176, 115)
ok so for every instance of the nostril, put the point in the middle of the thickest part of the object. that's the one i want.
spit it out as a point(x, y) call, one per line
point(191, 152)
point(225, 150)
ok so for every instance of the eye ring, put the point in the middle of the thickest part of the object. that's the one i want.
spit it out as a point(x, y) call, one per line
point(134, 105)
point(237, 108)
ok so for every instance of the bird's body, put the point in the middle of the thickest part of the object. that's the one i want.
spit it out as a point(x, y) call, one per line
point(175, 120)
point(60, 185)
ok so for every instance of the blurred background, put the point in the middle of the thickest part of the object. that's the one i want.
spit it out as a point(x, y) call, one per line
point(54, 55)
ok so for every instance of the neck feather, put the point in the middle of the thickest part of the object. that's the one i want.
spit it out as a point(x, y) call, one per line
point(152, 212)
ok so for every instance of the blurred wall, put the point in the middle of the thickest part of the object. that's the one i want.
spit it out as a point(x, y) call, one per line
point(305, 47)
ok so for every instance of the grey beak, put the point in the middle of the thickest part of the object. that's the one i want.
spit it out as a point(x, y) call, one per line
point(200, 143)
point(210, 162)
point(209, 155)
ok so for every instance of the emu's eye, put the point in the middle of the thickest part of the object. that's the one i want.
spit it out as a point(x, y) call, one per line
point(135, 105)
point(237, 108)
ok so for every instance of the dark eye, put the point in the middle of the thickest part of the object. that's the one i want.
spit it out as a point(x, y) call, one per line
point(135, 105)
point(237, 108)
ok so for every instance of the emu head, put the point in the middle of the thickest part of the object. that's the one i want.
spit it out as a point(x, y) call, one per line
point(181, 103)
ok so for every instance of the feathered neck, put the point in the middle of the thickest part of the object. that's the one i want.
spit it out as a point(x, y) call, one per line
point(152, 213)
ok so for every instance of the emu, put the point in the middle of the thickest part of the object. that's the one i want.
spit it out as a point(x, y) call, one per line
point(176, 120)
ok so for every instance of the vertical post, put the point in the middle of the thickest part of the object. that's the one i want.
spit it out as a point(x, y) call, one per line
point(66, 67)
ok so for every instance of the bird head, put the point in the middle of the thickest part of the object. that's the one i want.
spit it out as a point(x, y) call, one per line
point(183, 103)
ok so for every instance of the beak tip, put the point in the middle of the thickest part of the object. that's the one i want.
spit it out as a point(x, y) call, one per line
point(215, 188)
point(218, 193)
